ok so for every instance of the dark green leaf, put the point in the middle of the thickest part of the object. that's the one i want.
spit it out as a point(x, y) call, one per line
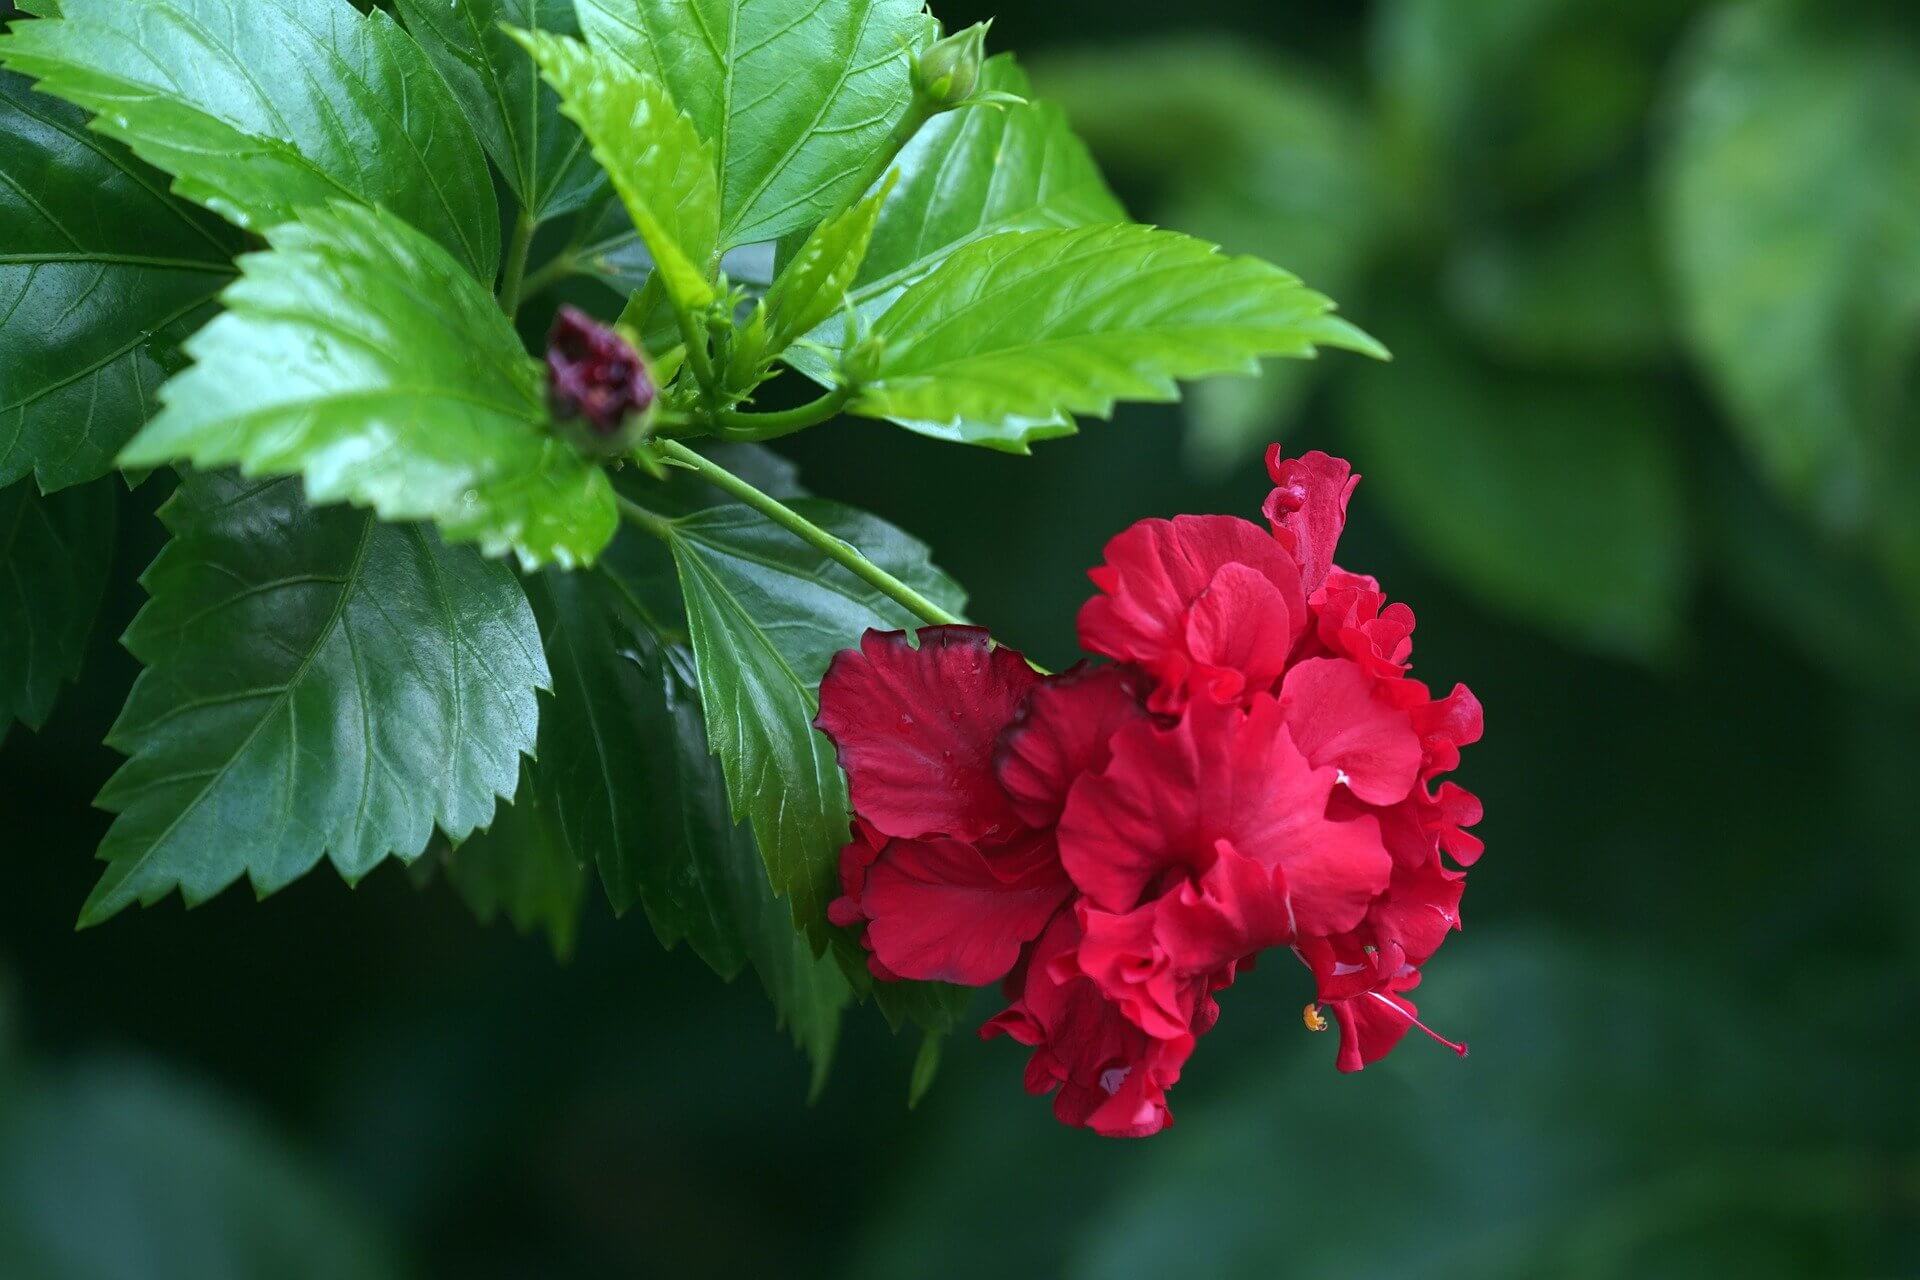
point(116, 1169)
point(289, 103)
point(544, 159)
point(794, 95)
point(627, 782)
point(102, 276)
point(1557, 500)
point(523, 866)
point(54, 555)
point(360, 355)
point(1583, 289)
point(768, 612)
point(1032, 327)
point(663, 171)
point(318, 683)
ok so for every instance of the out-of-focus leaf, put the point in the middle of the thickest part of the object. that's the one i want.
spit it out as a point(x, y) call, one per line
point(794, 95)
point(359, 355)
point(54, 554)
point(663, 172)
point(1251, 153)
point(1034, 327)
point(1791, 181)
point(290, 103)
point(1490, 104)
point(523, 867)
point(1606, 1125)
point(768, 613)
point(117, 1169)
point(317, 683)
point(543, 158)
point(1556, 500)
point(1582, 290)
point(102, 276)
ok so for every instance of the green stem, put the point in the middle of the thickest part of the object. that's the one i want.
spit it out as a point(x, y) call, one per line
point(657, 525)
point(693, 334)
point(513, 275)
point(782, 422)
point(548, 274)
point(841, 553)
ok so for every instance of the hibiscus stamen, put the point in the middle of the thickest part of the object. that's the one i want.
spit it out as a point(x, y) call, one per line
point(1311, 1015)
point(1435, 1036)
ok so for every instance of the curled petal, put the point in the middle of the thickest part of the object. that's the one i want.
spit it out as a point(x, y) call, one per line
point(1308, 509)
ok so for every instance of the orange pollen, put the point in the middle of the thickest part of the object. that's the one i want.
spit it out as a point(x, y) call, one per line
point(1312, 1017)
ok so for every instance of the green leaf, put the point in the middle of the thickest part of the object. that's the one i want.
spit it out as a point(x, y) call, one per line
point(625, 775)
point(663, 172)
point(360, 355)
point(1032, 327)
point(102, 276)
point(768, 612)
point(1790, 188)
point(543, 158)
point(117, 1168)
point(965, 176)
point(926, 1065)
point(796, 96)
point(54, 554)
point(1583, 289)
point(814, 285)
point(289, 103)
point(318, 682)
point(523, 867)
point(1476, 466)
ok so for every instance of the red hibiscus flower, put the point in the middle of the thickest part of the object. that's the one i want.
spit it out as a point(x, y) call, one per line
point(1256, 769)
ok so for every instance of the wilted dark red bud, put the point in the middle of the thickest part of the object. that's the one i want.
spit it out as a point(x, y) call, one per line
point(596, 378)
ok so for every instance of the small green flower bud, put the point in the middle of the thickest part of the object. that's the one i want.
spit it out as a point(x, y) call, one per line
point(946, 74)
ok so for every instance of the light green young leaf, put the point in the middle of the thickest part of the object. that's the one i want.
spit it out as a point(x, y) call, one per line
point(262, 107)
point(768, 612)
point(1033, 327)
point(814, 285)
point(318, 683)
point(1252, 152)
point(794, 95)
point(523, 867)
point(663, 172)
point(965, 176)
point(1473, 462)
point(543, 158)
point(54, 554)
point(359, 355)
point(102, 276)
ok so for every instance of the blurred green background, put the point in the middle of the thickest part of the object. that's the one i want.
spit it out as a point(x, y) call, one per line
point(1648, 468)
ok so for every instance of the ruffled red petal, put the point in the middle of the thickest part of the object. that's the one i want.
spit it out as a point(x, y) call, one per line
point(916, 728)
point(1157, 572)
point(1308, 509)
point(1339, 718)
point(945, 911)
point(1065, 730)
